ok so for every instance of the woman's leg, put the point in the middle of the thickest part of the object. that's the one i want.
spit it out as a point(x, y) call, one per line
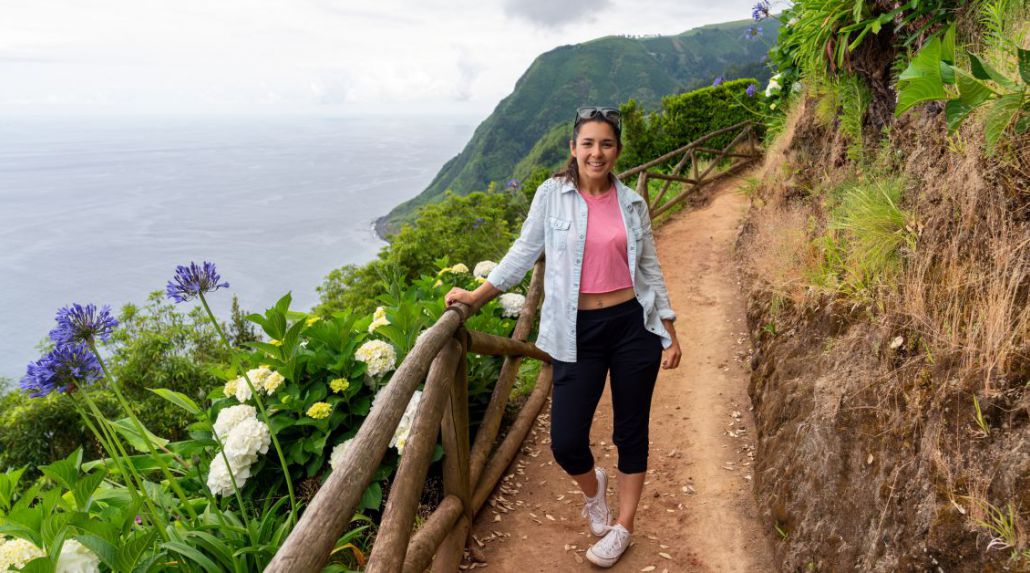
point(574, 396)
point(631, 487)
point(634, 369)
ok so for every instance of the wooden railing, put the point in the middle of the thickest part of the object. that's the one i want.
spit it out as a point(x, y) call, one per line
point(470, 472)
point(742, 148)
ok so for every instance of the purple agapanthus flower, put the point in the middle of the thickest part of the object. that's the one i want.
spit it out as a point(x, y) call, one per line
point(477, 222)
point(752, 32)
point(193, 280)
point(750, 91)
point(514, 183)
point(62, 370)
point(77, 323)
point(718, 80)
point(760, 10)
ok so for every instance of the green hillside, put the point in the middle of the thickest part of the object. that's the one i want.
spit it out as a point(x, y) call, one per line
point(605, 71)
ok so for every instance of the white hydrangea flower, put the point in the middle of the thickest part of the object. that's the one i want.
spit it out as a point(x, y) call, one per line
point(77, 558)
point(336, 458)
point(511, 304)
point(249, 438)
point(231, 417)
point(15, 553)
point(400, 436)
point(272, 382)
point(774, 85)
point(483, 269)
point(230, 387)
point(218, 479)
point(459, 269)
point(378, 319)
point(380, 356)
point(239, 388)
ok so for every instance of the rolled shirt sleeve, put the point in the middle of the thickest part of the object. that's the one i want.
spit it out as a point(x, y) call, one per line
point(650, 270)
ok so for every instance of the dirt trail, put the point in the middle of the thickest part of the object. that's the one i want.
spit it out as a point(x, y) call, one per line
point(697, 513)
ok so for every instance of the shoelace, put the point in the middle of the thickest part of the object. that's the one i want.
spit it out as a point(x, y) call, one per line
point(616, 537)
point(594, 509)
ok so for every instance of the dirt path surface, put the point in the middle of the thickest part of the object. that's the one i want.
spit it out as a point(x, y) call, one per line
point(697, 512)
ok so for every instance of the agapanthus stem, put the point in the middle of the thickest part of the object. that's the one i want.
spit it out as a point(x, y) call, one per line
point(172, 480)
point(264, 413)
point(117, 453)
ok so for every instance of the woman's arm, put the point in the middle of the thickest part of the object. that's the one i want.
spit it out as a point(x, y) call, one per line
point(515, 264)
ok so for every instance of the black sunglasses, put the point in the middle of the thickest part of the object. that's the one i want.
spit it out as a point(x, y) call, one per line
point(609, 114)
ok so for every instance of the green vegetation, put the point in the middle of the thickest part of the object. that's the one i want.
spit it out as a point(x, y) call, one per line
point(684, 118)
point(606, 71)
point(933, 75)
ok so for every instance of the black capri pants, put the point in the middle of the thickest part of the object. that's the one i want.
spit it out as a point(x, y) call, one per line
point(607, 339)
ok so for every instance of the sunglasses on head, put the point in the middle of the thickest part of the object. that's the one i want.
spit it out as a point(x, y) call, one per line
point(609, 114)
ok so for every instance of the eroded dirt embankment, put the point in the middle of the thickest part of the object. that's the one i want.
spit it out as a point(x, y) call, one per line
point(869, 455)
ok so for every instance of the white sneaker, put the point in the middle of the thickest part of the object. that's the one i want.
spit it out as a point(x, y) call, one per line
point(596, 508)
point(607, 551)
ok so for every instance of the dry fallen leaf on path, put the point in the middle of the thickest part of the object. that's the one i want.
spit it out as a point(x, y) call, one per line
point(665, 555)
point(648, 568)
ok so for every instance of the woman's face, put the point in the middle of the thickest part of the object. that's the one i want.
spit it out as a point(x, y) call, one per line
point(595, 149)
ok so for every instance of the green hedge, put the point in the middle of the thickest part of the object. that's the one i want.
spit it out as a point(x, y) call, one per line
point(685, 118)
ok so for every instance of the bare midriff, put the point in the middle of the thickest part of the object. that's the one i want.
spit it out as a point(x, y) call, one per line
point(596, 300)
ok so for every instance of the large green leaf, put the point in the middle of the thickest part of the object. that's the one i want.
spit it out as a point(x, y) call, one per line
point(84, 488)
point(8, 485)
point(1024, 64)
point(921, 80)
point(64, 472)
point(971, 94)
point(983, 71)
point(130, 552)
point(104, 549)
point(193, 555)
point(178, 398)
point(999, 117)
point(127, 428)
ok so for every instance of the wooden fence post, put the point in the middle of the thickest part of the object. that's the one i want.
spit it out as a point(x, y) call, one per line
point(456, 465)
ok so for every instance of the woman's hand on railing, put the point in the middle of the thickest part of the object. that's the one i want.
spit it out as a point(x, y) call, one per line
point(474, 299)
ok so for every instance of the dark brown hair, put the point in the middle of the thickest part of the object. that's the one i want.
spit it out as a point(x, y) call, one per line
point(570, 171)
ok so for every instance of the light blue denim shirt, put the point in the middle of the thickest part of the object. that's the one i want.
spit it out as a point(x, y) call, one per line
point(556, 225)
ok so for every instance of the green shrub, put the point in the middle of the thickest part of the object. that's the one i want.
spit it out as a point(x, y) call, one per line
point(471, 228)
point(682, 119)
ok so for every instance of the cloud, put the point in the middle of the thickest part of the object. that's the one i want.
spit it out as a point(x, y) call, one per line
point(553, 14)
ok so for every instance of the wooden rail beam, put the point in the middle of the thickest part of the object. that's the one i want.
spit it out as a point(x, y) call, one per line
point(493, 345)
point(428, 537)
point(684, 149)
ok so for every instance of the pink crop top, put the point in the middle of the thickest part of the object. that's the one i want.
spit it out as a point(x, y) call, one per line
point(605, 264)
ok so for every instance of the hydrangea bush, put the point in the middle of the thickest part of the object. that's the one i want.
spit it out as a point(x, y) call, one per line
point(284, 412)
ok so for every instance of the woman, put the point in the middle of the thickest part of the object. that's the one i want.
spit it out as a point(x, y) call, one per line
point(605, 309)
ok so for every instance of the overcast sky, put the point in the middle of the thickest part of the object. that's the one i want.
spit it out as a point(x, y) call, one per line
point(301, 56)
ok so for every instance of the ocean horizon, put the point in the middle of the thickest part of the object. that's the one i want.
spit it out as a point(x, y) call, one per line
point(101, 210)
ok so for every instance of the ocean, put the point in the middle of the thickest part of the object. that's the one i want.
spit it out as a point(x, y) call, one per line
point(102, 210)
